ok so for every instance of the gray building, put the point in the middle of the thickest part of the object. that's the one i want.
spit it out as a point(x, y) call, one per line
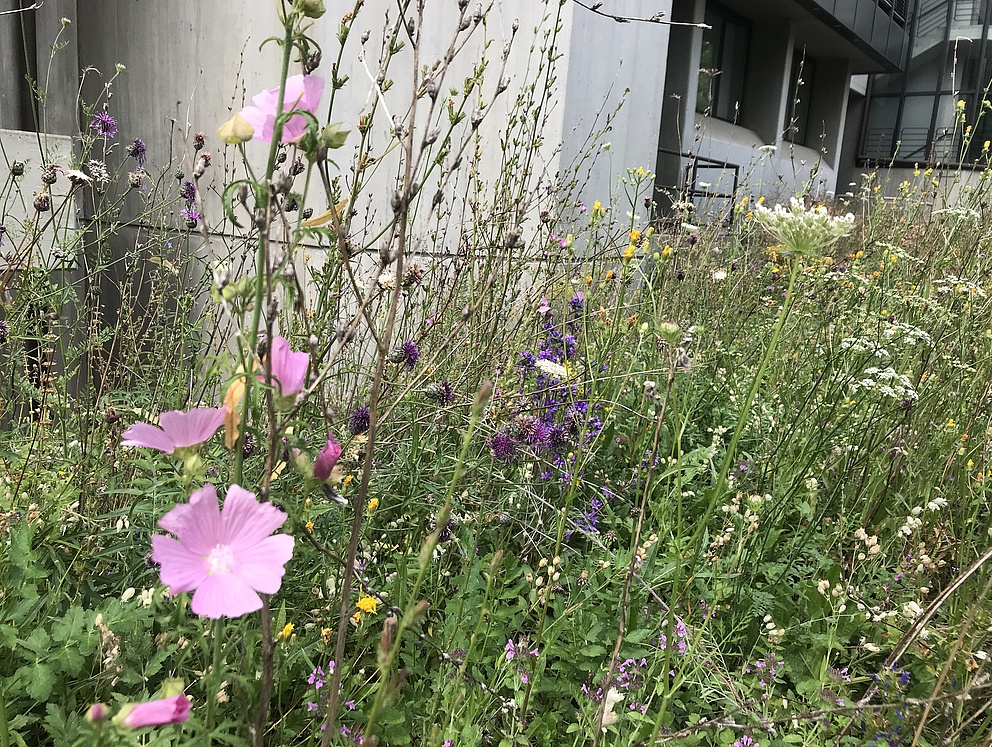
point(760, 102)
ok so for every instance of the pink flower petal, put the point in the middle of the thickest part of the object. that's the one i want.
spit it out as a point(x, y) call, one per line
point(261, 566)
point(245, 521)
point(225, 595)
point(193, 427)
point(200, 527)
point(148, 436)
point(182, 570)
point(328, 457)
point(156, 712)
point(289, 369)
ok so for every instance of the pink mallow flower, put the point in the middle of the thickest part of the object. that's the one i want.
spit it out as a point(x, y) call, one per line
point(302, 93)
point(323, 465)
point(154, 713)
point(289, 369)
point(227, 556)
point(178, 429)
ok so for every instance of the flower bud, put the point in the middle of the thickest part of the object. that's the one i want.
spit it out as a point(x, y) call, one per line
point(97, 713)
point(236, 130)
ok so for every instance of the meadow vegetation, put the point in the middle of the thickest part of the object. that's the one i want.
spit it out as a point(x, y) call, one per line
point(594, 474)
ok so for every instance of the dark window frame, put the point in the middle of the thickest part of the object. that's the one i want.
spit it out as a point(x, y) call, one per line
point(721, 95)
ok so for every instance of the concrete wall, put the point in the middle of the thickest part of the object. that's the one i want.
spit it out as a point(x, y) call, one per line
point(613, 65)
point(190, 64)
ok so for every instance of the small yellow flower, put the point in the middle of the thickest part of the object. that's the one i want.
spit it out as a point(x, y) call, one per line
point(325, 635)
point(971, 464)
point(373, 505)
point(309, 527)
point(348, 480)
point(628, 252)
point(635, 236)
point(597, 207)
point(964, 436)
point(667, 251)
point(367, 604)
point(761, 200)
point(950, 422)
point(588, 280)
point(286, 632)
point(961, 105)
point(610, 274)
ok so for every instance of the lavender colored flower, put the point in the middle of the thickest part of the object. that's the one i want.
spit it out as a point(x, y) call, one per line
point(137, 151)
point(360, 420)
point(188, 191)
point(503, 446)
point(406, 353)
point(191, 215)
point(441, 392)
point(577, 302)
point(104, 125)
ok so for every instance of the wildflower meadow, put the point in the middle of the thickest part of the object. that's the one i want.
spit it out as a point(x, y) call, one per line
point(495, 461)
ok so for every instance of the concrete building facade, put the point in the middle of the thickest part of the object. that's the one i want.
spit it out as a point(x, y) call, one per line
point(761, 97)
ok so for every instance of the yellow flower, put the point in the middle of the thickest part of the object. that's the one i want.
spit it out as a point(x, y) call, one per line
point(235, 130)
point(325, 635)
point(635, 236)
point(761, 200)
point(286, 632)
point(961, 105)
point(597, 207)
point(950, 422)
point(309, 527)
point(373, 505)
point(367, 604)
point(588, 280)
point(610, 274)
point(667, 251)
point(629, 252)
point(348, 480)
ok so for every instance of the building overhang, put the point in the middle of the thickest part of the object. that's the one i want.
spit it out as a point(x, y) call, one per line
point(872, 34)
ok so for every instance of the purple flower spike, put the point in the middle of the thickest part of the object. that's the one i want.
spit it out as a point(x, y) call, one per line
point(227, 556)
point(303, 93)
point(289, 369)
point(179, 430)
point(323, 465)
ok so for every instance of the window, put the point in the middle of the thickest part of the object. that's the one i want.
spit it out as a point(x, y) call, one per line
point(722, 61)
point(796, 127)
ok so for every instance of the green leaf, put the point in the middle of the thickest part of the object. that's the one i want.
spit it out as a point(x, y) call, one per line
point(40, 680)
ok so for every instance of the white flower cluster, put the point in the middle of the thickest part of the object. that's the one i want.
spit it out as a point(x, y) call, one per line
point(803, 231)
point(959, 285)
point(913, 522)
point(887, 382)
point(864, 345)
point(551, 369)
point(907, 333)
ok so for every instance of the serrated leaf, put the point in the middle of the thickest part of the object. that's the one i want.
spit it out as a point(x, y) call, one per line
point(39, 680)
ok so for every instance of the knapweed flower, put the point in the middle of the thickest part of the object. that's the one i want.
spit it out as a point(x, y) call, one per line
point(289, 369)
point(441, 392)
point(154, 713)
point(324, 464)
point(137, 151)
point(302, 93)
point(227, 556)
point(360, 420)
point(191, 216)
point(503, 446)
point(408, 353)
point(104, 125)
point(178, 430)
